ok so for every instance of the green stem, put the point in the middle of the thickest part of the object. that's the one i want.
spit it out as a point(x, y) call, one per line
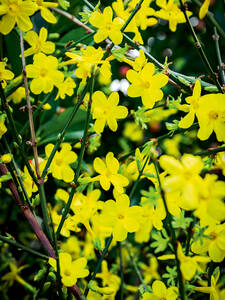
point(121, 274)
point(210, 151)
point(80, 159)
point(138, 179)
point(172, 233)
point(132, 259)
point(132, 15)
point(210, 17)
point(15, 133)
point(200, 50)
point(62, 134)
point(222, 73)
point(44, 210)
point(21, 246)
point(189, 235)
point(100, 262)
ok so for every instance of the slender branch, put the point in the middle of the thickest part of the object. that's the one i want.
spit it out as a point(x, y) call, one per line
point(105, 250)
point(27, 213)
point(16, 136)
point(200, 50)
point(62, 134)
point(80, 159)
point(21, 246)
point(121, 273)
point(72, 18)
point(172, 233)
point(29, 108)
point(138, 6)
point(132, 259)
point(210, 17)
point(189, 235)
point(211, 151)
point(221, 70)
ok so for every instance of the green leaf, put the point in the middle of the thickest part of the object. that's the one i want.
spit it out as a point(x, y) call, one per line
point(160, 243)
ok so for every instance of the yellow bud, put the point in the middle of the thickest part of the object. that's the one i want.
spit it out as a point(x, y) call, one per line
point(6, 158)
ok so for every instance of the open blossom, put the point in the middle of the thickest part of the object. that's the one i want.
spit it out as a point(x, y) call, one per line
point(160, 291)
point(107, 111)
point(120, 216)
point(106, 26)
point(65, 88)
point(70, 270)
point(44, 73)
point(60, 166)
point(108, 171)
point(171, 12)
point(38, 43)
point(211, 116)
point(146, 85)
point(16, 12)
point(45, 11)
point(193, 106)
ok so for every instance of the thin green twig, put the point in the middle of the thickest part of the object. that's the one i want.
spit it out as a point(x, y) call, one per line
point(200, 50)
point(22, 247)
point(218, 54)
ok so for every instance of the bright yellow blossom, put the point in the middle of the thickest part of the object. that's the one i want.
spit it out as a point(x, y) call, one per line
point(108, 171)
point(121, 217)
point(171, 12)
point(70, 270)
point(211, 116)
point(194, 101)
point(204, 9)
point(220, 161)
point(6, 158)
point(45, 11)
point(65, 88)
point(44, 73)
point(5, 74)
point(184, 178)
point(3, 128)
point(38, 43)
point(16, 12)
point(150, 271)
point(107, 111)
point(146, 85)
point(72, 246)
point(17, 96)
point(60, 166)
point(87, 60)
point(133, 132)
point(106, 26)
point(160, 292)
point(214, 243)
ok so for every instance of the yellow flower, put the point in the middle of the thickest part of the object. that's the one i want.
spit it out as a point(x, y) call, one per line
point(17, 96)
point(107, 111)
point(106, 26)
point(171, 12)
point(194, 102)
point(108, 278)
point(6, 158)
point(59, 167)
point(171, 145)
point(204, 9)
point(65, 88)
point(70, 270)
point(13, 275)
point(3, 128)
point(5, 74)
point(45, 11)
point(184, 178)
point(146, 85)
point(109, 173)
point(150, 271)
point(213, 290)
point(215, 244)
point(211, 116)
point(38, 43)
point(220, 161)
point(121, 217)
point(133, 132)
point(16, 12)
point(160, 292)
point(87, 60)
point(72, 246)
point(45, 74)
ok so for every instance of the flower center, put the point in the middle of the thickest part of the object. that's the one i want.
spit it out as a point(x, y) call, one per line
point(67, 272)
point(213, 115)
point(39, 2)
point(108, 26)
point(13, 9)
point(146, 84)
point(43, 72)
point(121, 216)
